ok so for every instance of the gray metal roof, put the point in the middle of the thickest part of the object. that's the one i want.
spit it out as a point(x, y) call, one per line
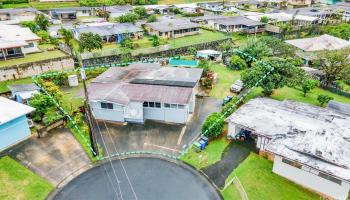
point(116, 84)
point(171, 25)
point(308, 11)
point(119, 9)
point(236, 20)
point(23, 87)
point(17, 10)
point(105, 30)
point(301, 132)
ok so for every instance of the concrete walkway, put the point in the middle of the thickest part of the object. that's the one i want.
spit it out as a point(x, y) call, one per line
point(54, 157)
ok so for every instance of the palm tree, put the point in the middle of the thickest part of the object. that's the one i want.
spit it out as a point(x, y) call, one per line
point(67, 36)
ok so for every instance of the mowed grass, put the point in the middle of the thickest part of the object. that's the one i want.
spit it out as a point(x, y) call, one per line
point(4, 84)
point(260, 183)
point(203, 37)
point(17, 182)
point(35, 57)
point(43, 5)
point(225, 78)
point(297, 95)
point(171, 2)
point(210, 155)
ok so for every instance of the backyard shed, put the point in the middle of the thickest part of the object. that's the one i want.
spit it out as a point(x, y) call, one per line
point(14, 126)
point(23, 92)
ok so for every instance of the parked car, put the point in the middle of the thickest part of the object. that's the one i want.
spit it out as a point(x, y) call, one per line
point(226, 100)
point(237, 87)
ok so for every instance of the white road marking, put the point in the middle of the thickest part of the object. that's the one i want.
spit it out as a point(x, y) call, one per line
point(162, 147)
point(181, 135)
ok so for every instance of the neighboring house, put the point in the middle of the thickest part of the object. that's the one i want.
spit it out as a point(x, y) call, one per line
point(320, 12)
point(117, 11)
point(15, 16)
point(297, 3)
point(14, 126)
point(308, 47)
point(71, 12)
point(203, 20)
point(307, 143)
point(23, 92)
point(209, 54)
point(236, 24)
point(144, 91)
point(172, 28)
point(217, 6)
point(344, 8)
point(110, 32)
point(250, 4)
point(16, 41)
point(279, 18)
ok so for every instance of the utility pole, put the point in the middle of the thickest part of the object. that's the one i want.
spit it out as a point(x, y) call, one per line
point(89, 116)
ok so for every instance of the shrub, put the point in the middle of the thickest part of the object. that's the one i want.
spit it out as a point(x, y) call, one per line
point(41, 103)
point(323, 99)
point(213, 125)
point(237, 63)
point(44, 35)
point(152, 18)
point(127, 43)
point(128, 18)
point(229, 108)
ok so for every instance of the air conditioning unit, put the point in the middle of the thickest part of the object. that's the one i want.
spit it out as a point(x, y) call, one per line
point(30, 123)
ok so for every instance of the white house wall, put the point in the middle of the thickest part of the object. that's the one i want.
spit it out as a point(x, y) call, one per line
point(115, 114)
point(311, 180)
point(176, 115)
point(32, 49)
point(134, 112)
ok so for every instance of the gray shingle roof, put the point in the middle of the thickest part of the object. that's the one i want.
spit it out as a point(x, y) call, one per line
point(105, 30)
point(171, 25)
point(236, 20)
point(23, 87)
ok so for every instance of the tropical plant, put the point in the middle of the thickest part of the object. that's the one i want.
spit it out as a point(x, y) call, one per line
point(152, 18)
point(42, 21)
point(140, 11)
point(128, 18)
point(67, 36)
point(323, 99)
point(237, 63)
point(89, 42)
point(264, 19)
point(213, 125)
point(308, 84)
point(155, 40)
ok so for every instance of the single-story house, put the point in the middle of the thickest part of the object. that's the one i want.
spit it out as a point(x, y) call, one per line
point(172, 28)
point(16, 41)
point(236, 24)
point(23, 92)
point(343, 7)
point(203, 20)
point(278, 18)
point(307, 143)
point(14, 126)
point(297, 3)
point(320, 12)
point(110, 32)
point(144, 91)
point(71, 12)
point(209, 54)
point(117, 11)
point(15, 16)
point(217, 6)
point(250, 4)
point(308, 47)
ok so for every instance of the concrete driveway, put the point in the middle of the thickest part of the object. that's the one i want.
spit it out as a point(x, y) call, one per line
point(156, 136)
point(55, 157)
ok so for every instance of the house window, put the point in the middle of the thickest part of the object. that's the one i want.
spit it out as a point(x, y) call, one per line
point(294, 164)
point(158, 105)
point(84, 11)
point(151, 104)
point(180, 106)
point(107, 105)
point(30, 45)
point(330, 178)
point(145, 104)
point(166, 105)
point(174, 106)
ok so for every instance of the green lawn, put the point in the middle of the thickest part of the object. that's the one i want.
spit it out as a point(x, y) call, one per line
point(4, 84)
point(33, 58)
point(17, 182)
point(208, 156)
point(260, 183)
point(297, 95)
point(202, 37)
point(231, 193)
point(172, 2)
point(46, 5)
point(71, 101)
point(18, 5)
point(225, 78)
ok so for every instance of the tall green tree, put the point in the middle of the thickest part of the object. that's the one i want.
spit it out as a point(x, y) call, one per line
point(89, 42)
point(67, 36)
point(277, 46)
point(335, 65)
point(308, 84)
point(237, 63)
point(282, 72)
point(42, 21)
point(254, 48)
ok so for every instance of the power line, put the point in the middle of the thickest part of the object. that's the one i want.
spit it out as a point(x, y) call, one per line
point(120, 160)
point(110, 160)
